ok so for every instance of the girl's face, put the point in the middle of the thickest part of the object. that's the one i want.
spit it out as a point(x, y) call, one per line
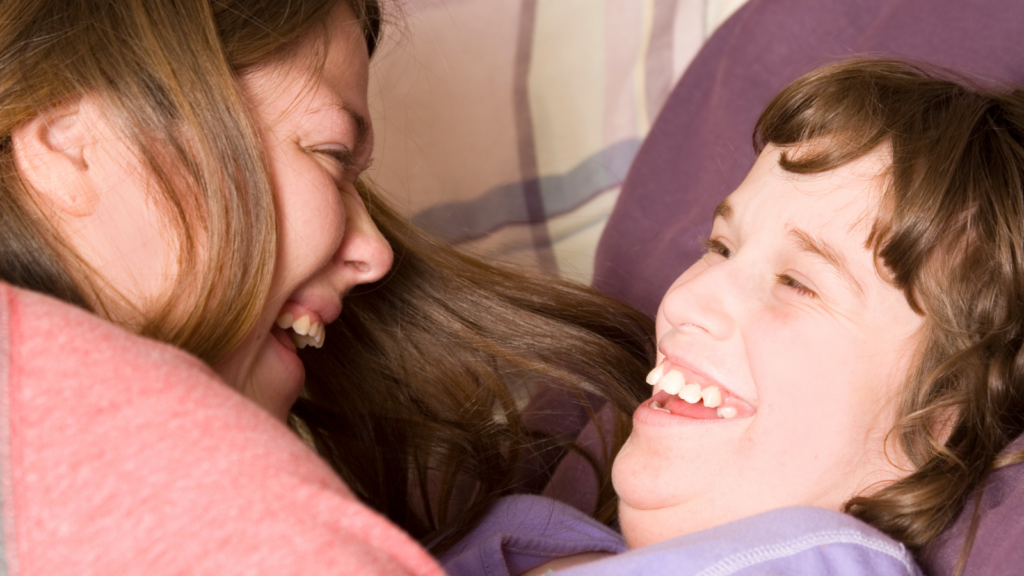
point(807, 346)
point(317, 138)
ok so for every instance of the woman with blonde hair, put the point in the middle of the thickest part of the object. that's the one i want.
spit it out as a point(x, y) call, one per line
point(191, 172)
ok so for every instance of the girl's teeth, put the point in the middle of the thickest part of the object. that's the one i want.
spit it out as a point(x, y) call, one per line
point(690, 393)
point(675, 384)
point(657, 406)
point(712, 397)
point(655, 375)
point(672, 382)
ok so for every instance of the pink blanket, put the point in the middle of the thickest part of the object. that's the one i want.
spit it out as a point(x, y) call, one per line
point(120, 455)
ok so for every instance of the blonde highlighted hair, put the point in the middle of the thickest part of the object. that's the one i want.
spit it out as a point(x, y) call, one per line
point(417, 397)
point(165, 72)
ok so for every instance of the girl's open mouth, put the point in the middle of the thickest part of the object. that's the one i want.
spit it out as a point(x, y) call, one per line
point(693, 399)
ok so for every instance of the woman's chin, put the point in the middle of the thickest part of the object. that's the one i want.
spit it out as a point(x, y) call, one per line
point(272, 375)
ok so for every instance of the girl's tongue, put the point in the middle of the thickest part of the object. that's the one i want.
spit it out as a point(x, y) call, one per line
point(692, 399)
point(680, 407)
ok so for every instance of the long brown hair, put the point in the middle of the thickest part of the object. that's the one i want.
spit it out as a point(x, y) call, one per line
point(417, 397)
point(165, 72)
point(421, 407)
point(950, 234)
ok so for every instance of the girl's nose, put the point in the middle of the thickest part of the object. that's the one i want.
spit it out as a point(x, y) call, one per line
point(702, 302)
point(364, 253)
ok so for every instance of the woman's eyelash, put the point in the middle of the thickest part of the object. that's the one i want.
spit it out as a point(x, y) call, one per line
point(715, 247)
point(789, 281)
point(343, 157)
point(347, 160)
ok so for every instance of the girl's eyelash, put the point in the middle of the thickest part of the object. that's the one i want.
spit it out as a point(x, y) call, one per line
point(715, 247)
point(789, 281)
point(712, 246)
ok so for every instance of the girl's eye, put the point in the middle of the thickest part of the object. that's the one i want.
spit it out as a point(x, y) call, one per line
point(717, 248)
point(790, 282)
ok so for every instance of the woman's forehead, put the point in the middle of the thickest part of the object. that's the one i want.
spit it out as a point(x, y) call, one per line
point(327, 90)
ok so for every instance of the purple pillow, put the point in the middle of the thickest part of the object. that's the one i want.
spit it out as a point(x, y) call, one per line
point(699, 150)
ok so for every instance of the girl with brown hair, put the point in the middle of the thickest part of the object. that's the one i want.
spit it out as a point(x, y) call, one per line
point(852, 340)
point(191, 171)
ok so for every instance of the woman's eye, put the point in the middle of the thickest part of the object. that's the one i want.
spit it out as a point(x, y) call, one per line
point(715, 247)
point(349, 166)
point(790, 282)
point(345, 160)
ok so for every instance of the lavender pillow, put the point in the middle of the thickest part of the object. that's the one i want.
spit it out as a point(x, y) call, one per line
point(699, 150)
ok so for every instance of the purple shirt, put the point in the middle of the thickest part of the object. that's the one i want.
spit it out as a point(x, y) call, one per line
point(524, 531)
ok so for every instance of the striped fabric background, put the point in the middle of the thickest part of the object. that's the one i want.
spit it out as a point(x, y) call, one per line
point(507, 126)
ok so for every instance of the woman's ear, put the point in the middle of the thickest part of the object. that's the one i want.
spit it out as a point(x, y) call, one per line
point(51, 154)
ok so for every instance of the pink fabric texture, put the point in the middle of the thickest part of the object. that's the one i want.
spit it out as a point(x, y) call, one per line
point(120, 455)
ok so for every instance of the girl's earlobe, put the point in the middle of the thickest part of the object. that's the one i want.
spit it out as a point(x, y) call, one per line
point(51, 156)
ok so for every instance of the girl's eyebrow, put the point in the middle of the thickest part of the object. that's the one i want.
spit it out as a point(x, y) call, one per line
point(825, 251)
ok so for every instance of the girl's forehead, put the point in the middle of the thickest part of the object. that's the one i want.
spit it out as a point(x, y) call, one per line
point(845, 199)
point(809, 223)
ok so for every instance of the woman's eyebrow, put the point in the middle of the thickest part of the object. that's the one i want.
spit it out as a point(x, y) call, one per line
point(362, 126)
point(723, 210)
point(361, 123)
point(822, 249)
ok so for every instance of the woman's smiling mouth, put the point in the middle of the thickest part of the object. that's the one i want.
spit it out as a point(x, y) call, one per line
point(304, 326)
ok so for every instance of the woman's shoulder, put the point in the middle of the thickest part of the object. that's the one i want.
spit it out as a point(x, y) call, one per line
point(40, 328)
point(123, 455)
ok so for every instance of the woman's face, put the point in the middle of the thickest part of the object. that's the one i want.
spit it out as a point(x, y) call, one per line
point(787, 316)
point(317, 138)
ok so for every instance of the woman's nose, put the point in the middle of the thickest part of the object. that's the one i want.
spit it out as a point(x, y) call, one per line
point(364, 253)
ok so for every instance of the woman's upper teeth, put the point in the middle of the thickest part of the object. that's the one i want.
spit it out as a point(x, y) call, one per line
point(304, 331)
